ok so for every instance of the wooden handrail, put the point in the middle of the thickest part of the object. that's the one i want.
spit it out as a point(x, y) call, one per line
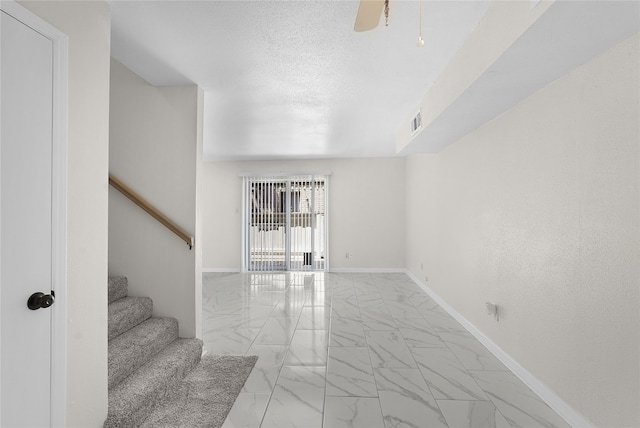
point(153, 211)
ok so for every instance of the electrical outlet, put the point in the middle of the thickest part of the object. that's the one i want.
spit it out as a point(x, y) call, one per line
point(346, 256)
point(421, 266)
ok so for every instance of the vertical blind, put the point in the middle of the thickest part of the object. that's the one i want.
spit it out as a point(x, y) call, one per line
point(285, 222)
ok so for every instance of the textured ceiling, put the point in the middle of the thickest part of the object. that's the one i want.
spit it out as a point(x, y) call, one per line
point(291, 79)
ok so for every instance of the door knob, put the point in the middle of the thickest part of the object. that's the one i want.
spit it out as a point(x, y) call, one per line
point(40, 300)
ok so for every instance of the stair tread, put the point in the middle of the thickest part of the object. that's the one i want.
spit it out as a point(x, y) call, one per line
point(128, 312)
point(117, 288)
point(200, 398)
point(135, 347)
point(131, 401)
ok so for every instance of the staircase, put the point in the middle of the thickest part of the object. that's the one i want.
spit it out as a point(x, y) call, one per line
point(147, 359)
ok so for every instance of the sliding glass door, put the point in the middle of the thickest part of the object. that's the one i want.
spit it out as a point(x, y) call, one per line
point(285, 223)
point(267, 230)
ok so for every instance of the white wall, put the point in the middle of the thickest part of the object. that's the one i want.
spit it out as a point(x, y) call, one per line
point(153, 141)
point(88, 26)
point(366, 210)
point(538, 211)
point(481, 50)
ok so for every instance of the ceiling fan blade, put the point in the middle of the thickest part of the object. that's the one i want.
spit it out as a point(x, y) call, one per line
point(368, 16)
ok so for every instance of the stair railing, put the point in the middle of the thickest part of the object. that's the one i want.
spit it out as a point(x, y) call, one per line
point(151, 210)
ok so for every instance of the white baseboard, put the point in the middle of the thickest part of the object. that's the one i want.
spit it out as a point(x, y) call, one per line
point(224, 270)
point(367, 270)
point(569, 414)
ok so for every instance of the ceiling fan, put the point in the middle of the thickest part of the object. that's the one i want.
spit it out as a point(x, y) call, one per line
point(369, 13)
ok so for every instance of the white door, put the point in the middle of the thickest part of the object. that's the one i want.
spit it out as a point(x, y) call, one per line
point(25, 223)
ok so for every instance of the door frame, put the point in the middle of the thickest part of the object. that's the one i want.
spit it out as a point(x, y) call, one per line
point(284, 176)
point(58, 201)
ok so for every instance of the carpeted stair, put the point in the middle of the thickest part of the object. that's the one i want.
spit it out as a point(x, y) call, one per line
point(159, 380)
point(147, 360)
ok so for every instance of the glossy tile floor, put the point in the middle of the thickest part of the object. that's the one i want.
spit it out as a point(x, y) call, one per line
point(357, 350)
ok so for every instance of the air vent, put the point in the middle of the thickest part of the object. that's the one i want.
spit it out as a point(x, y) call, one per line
point(416, 123)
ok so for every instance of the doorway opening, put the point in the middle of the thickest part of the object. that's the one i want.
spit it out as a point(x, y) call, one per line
point(285, 223)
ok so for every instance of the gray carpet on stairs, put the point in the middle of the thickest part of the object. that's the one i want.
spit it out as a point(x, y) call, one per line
point(128, 312)
point(133, 348)
point(133, 400)
point(205, 396)
point(118, 288)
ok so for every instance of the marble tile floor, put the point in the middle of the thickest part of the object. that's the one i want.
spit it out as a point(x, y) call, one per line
point(357, 350)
